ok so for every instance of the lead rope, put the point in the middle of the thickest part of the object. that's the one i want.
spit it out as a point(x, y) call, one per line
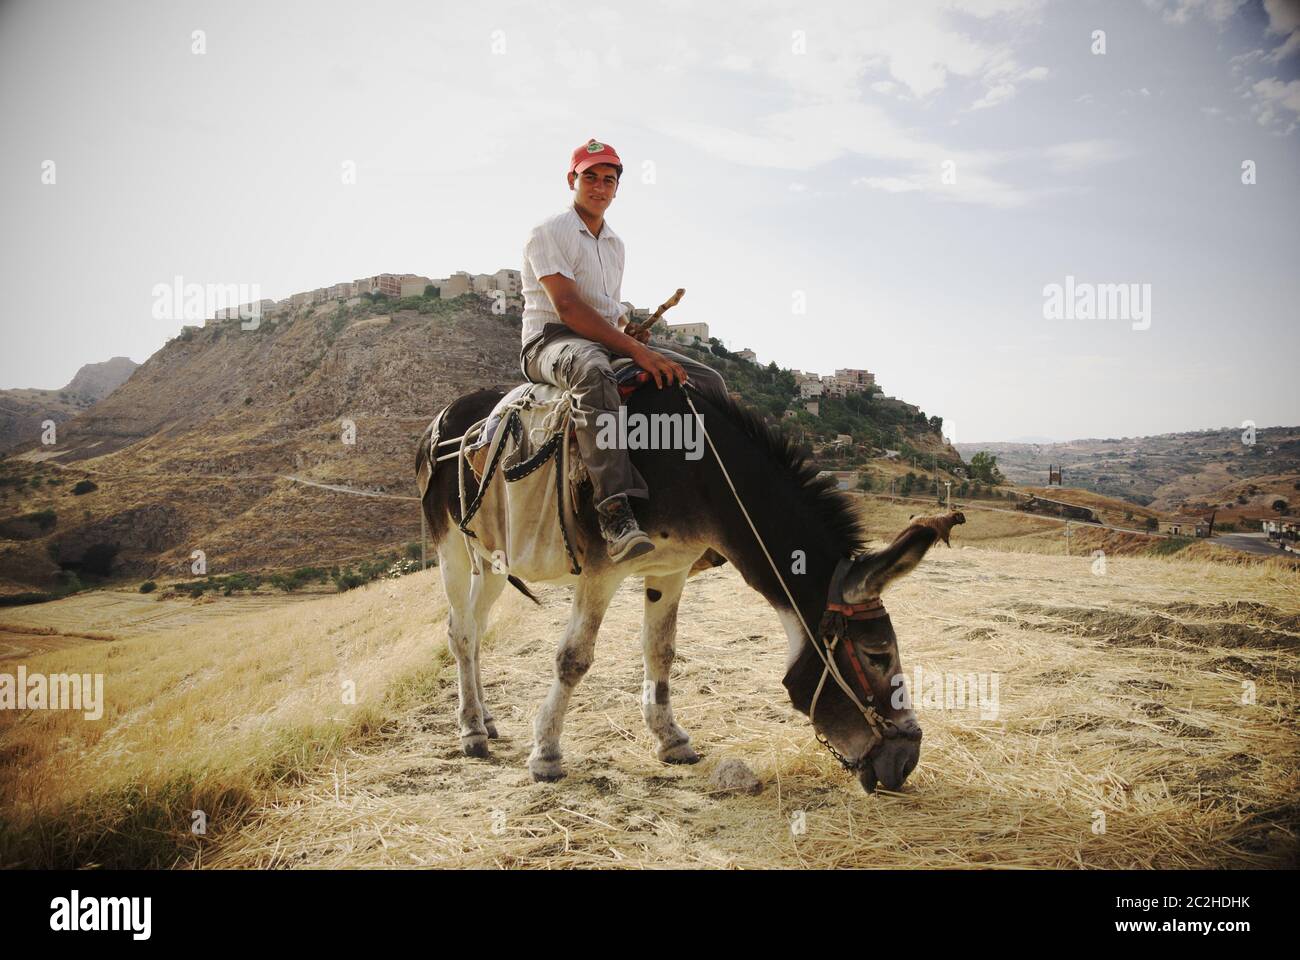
point(830, 666)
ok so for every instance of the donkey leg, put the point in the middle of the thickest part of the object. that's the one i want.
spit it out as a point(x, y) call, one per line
point(658, 648)
point(476, 726)
point(463, 595)
point(489, 721)
point(572, 660)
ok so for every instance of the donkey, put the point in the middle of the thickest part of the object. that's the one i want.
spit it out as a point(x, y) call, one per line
point(753, 501)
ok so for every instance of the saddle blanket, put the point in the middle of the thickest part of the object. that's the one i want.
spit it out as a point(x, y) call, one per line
point(522, 519)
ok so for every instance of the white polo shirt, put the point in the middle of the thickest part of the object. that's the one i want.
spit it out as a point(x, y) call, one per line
point(563, 244)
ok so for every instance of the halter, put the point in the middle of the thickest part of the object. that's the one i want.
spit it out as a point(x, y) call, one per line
point(833, 630)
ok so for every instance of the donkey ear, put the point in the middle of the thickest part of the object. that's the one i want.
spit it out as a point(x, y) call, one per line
point(872, 572)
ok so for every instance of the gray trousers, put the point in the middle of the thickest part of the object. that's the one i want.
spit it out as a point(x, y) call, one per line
point(572, 362)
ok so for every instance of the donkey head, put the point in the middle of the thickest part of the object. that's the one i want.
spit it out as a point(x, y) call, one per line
point(868, 660)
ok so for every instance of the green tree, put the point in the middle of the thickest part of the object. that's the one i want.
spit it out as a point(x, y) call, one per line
point(984, 467)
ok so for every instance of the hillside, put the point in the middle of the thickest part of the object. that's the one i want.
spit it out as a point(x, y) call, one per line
point(1168, 473)
point(23, 410)
point(212, 445)
point(193, 451)
point(872, 423)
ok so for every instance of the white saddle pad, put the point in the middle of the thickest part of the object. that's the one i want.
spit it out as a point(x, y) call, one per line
point(522, 521)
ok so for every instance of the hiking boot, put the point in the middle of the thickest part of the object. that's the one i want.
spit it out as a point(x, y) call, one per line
point(619, 528)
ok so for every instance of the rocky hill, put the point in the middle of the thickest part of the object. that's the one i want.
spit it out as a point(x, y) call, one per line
point(194, 451)
point(23, 410)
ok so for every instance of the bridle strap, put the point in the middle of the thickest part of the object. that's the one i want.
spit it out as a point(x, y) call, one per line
point(832, 629)
point(871, 610)
point(857, 664)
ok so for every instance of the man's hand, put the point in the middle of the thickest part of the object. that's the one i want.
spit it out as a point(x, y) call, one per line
point(664, 371)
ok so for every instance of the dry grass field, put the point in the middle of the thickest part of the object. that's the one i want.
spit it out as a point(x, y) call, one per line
point(1145, 717)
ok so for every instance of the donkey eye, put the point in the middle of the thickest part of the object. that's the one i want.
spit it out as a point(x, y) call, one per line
point(881, 661)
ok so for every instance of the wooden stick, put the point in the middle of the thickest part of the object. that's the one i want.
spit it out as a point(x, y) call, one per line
point(632, 329)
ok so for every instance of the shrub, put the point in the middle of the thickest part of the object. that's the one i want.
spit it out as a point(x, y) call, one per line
point(84, 486)
point(43, 518)
point(148, 587)
point(349, 580)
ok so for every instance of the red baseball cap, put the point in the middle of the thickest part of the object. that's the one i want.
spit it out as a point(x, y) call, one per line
point(591, 153)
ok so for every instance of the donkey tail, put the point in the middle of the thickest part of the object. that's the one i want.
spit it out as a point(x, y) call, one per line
point(433, 501)
point(522, 588)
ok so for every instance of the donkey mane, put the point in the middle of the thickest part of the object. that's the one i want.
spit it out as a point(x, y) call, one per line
point(837, 511)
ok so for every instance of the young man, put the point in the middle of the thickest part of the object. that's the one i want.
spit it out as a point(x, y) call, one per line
point(573, 320)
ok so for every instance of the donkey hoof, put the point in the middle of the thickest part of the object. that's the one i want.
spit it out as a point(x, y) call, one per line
point(491, 730)
point(682, 753)
point(546, 771)
point(475, 746)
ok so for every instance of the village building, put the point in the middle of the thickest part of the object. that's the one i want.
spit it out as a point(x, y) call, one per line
point(1282, 529)
point(1186, 527)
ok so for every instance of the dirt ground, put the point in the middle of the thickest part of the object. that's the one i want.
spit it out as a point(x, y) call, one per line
point(1145, 717)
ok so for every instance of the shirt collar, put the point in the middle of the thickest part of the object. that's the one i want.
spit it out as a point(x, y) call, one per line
point(606, 231)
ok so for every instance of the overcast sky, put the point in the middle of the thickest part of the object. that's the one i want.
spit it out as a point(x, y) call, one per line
point(909, 175)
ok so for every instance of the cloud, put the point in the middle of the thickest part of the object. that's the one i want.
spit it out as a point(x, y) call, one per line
point(887, 184)
point(1001, 88)
point(996, 95)
point(1283, 20)
point(920, 45)
point(906, 52)
point(1082, 154)
point(1180, 11)
point(738, 63)
point(804, 138)
point(1274, 99)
